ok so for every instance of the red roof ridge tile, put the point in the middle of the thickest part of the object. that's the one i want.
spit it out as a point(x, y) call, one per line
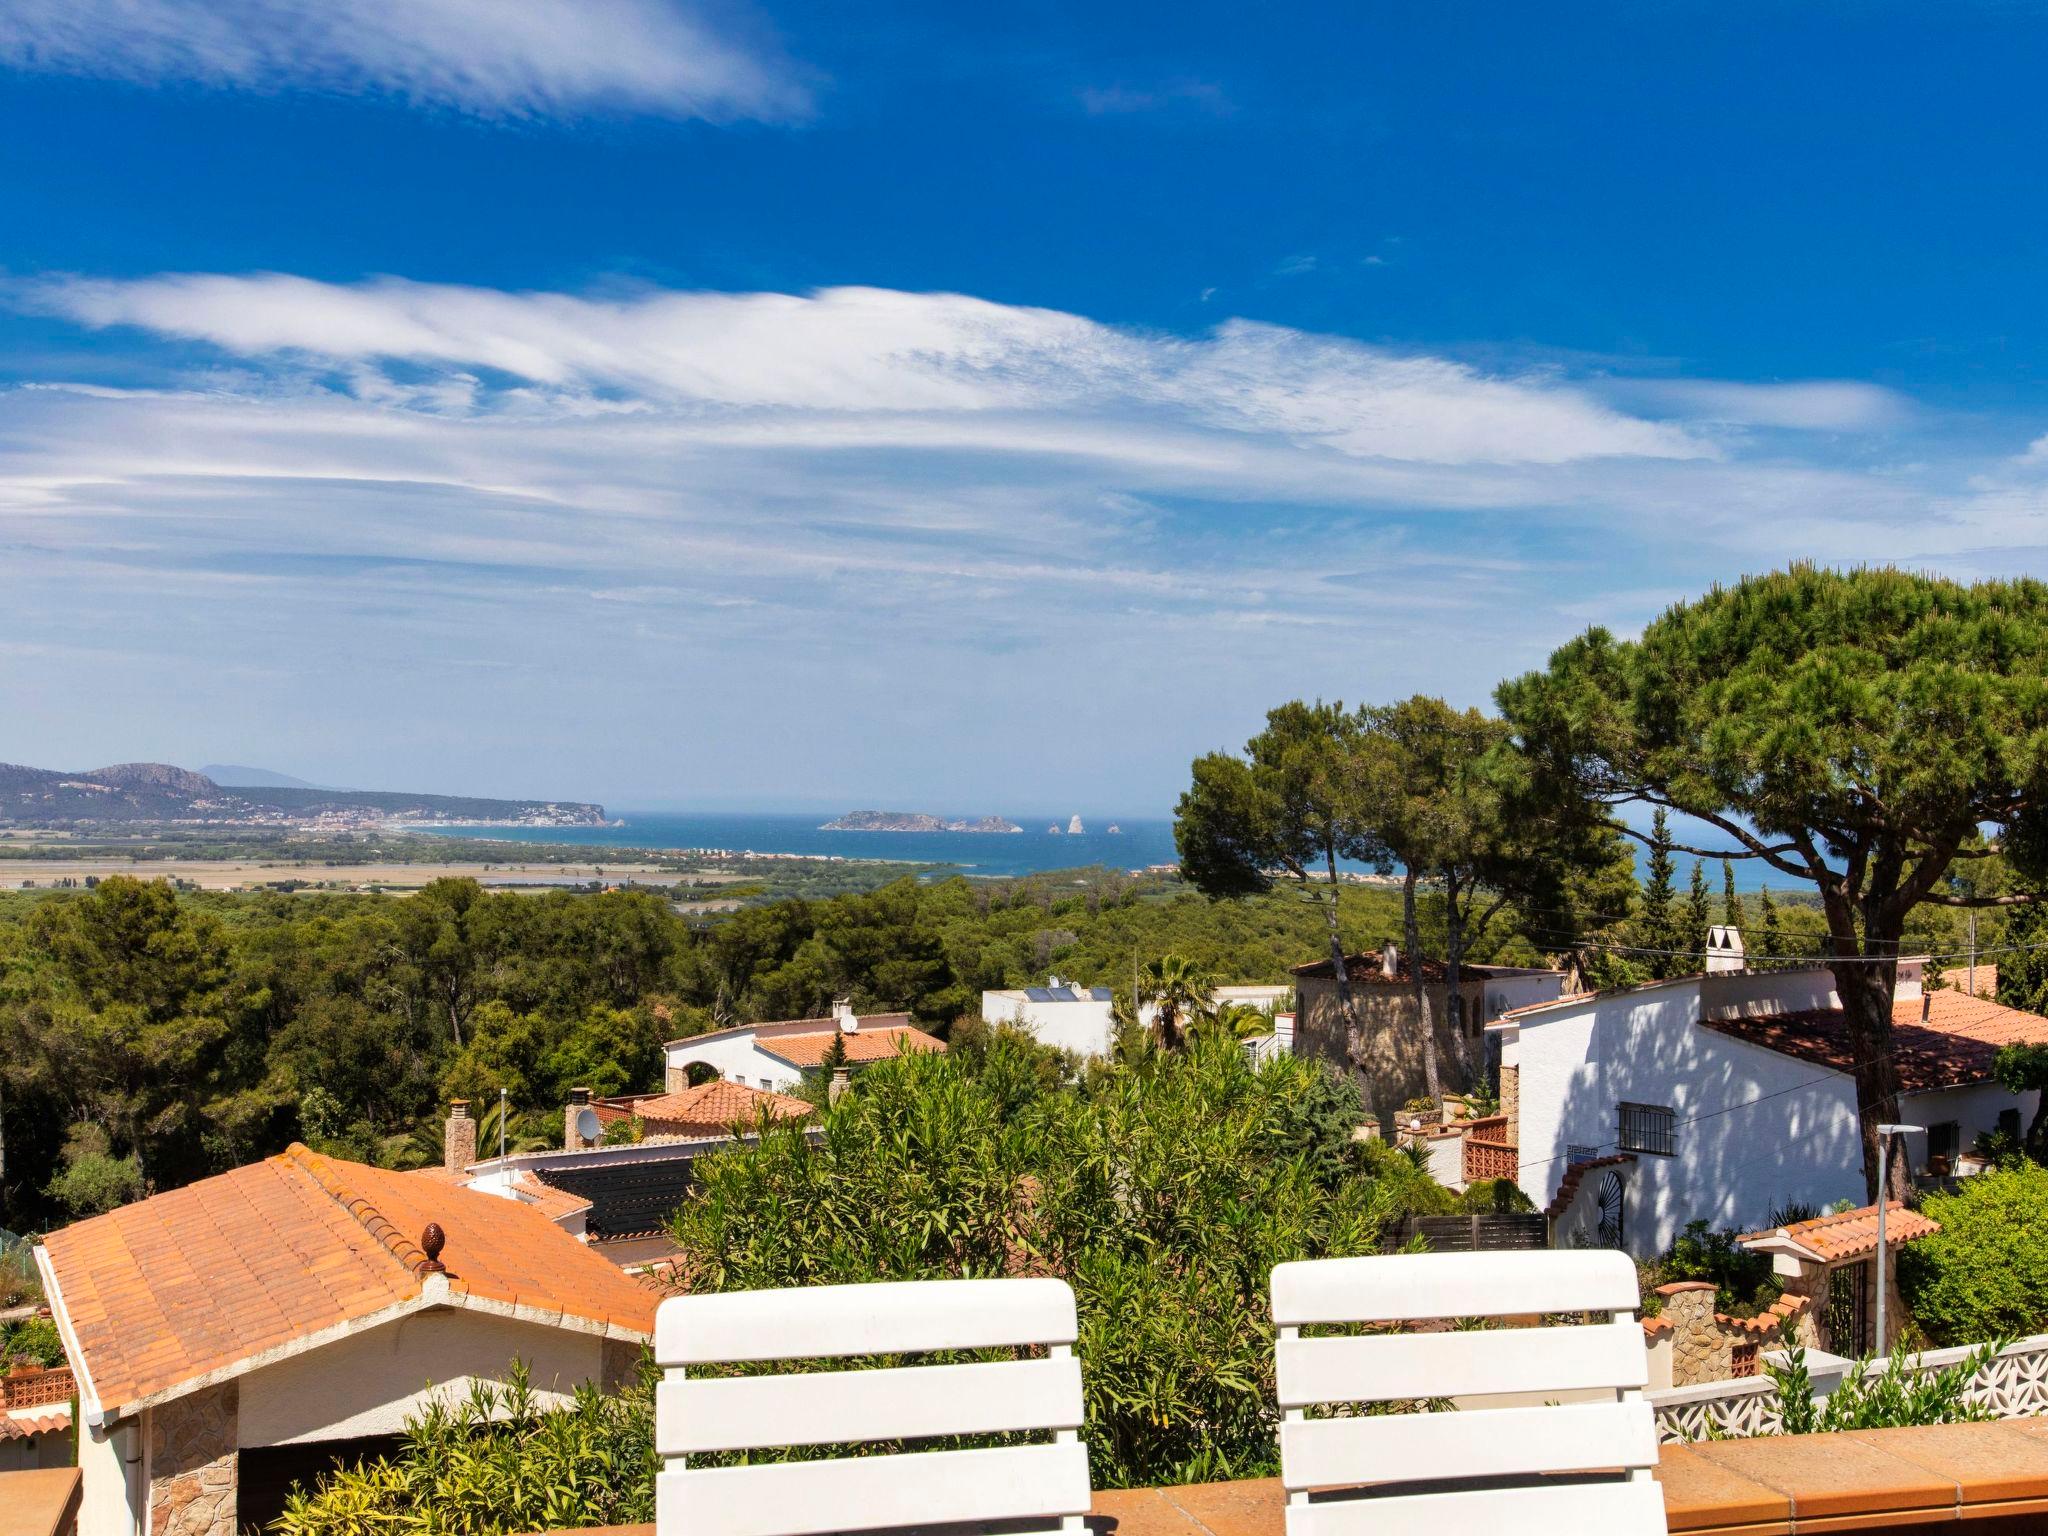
point(373, 1221)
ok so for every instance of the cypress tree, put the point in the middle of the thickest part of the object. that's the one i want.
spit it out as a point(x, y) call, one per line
point(1656, 930)
point(1731, 904)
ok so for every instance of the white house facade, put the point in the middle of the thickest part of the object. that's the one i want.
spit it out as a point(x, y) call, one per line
point(1059, 1014)
point(1730, 1093)
point(778, 1056)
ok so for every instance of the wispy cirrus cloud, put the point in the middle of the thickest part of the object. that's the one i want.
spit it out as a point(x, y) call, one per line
point(813, 498)
point(508, 58)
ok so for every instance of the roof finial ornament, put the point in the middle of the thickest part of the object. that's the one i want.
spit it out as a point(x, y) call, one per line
point(432, 1241)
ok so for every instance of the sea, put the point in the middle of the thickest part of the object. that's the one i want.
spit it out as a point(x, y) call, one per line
point(1141, 841)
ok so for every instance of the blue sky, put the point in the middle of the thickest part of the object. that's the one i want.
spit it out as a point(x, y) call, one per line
point(935, 405)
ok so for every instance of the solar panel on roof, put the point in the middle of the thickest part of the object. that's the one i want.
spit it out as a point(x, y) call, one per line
point(1100, 994)
point(1039, 994)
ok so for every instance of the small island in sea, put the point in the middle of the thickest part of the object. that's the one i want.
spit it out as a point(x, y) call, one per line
point(915, 821)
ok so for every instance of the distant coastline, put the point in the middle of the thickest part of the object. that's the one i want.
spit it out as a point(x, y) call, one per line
point(916, 821)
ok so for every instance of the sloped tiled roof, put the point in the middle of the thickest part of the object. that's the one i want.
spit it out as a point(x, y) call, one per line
point(871, 1042)
point(198, 1282)
point(1849, 1233)
point(717, 1105)
point(1951, 1046)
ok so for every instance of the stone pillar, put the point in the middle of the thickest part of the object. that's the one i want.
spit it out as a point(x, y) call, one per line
point(675, 1079)
point(192, 1463)
point(1811, 1283)
point(458, 1138)
point(1699, 1345)
point(1511, 1103)
point(841, 1080)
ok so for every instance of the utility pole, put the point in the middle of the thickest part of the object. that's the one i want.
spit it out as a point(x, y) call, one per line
point(1973, 951)
point(501, 1130)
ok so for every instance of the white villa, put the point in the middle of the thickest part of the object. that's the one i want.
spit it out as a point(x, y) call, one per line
point(778, 1056)
point(1080, 1019)
point(1726, 1095)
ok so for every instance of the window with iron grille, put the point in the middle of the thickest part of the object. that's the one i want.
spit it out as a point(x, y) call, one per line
point(2009, 1123)
point(1649, 1128)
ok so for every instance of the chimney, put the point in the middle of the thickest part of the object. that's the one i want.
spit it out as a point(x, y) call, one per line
point(1926, 1006)
point(579, 1100)
point(844, 1016)
point(458, 1137)
point(1390, 961)
point(841, 1080)
point(1724, 949)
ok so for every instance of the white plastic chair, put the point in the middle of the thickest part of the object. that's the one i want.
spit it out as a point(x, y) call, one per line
point(699, 1414)
point(1515, 1461)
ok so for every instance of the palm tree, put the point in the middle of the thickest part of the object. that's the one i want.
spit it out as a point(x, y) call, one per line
point(1179, 991)
point(1241, 1021)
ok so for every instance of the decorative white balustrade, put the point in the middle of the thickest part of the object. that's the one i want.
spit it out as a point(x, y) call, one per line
point(2014, 1386)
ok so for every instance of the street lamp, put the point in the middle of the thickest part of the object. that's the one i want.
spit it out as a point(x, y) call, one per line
point(1885, 1133)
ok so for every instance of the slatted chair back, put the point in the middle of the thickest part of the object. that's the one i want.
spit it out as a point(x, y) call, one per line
point(1560, 1441)
point(1044, 1484)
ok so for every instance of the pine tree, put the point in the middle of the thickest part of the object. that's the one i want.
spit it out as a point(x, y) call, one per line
point(2022, 970)
point(1731, 904)
point(1699, 917)
point(1655, 930)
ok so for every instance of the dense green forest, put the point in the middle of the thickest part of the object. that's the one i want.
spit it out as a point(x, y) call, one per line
point(150, 1036)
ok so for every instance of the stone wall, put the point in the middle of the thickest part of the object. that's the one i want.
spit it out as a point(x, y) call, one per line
point(1712, 1346)
point(1511, 1104)
point(192, 1443)
point(1392, 1036)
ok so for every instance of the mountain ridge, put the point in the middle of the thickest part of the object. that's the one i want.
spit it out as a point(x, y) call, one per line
point(131, 794)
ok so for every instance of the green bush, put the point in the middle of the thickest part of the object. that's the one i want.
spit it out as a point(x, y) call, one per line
point(1743, 1282)
point(33, 1338)
point(494, 1463)
point(1163, 1188)
point(1984, 1275)
point(1897, 1397)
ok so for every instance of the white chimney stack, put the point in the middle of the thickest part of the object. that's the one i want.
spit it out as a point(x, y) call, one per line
point(1724, 950)
point(844, 1016)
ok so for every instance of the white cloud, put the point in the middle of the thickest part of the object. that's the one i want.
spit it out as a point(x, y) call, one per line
point(866, 353)
point(1819, 405)
point(862, 517)
point(494, 57)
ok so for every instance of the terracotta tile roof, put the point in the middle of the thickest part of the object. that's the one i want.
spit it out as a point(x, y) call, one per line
point(824, 1026)
point(24, 1426)
point(551, 1202)
point(1575, 1175)
point(1952, 1046)
point(196, 1283)
point(871, 1042)
point(1958, 976)
point(1848, 1234)
point(717, 1106)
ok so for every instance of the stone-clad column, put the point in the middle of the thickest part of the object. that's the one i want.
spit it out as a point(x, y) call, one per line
point(192, 1447)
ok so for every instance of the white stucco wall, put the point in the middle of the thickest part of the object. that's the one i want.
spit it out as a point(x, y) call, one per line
point(737, 1059)
point(1974, 1109)
point(371, 1383)
point(1788, 1131)
point(1505, 992)
point(110, 1494)
point(1085, 1027)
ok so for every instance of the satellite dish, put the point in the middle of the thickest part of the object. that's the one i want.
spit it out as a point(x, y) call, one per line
point(587, 1126)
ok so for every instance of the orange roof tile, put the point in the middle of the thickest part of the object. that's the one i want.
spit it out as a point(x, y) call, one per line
point(1952, 1045)
point(197, 1282)
point(717, 1106)
point(1849, 1233)
point(868, 1043)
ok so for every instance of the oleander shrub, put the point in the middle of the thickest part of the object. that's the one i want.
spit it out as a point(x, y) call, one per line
point(1899, 1395)
point(1984, 1275)
point(1163, 1188)
point(496, 1463)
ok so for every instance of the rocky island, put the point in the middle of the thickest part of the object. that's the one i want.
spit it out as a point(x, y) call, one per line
point(915, 821)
